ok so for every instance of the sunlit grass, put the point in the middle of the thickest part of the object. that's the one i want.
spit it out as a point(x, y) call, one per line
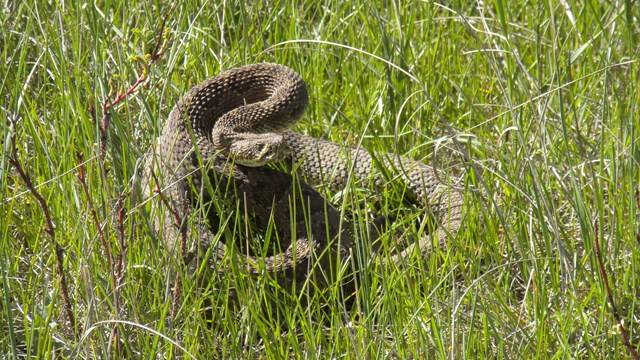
point(543, 100)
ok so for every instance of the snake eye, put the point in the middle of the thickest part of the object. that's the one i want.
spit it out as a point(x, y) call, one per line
point(263, 150)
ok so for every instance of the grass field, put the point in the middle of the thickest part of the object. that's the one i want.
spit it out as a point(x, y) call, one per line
point(542, 98)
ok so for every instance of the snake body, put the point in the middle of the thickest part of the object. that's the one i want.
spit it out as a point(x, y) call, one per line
point(227, 127)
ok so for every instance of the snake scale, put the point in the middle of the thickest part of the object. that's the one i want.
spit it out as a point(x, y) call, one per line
point(222, 132)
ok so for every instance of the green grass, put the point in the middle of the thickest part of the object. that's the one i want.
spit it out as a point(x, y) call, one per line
point(543, 96)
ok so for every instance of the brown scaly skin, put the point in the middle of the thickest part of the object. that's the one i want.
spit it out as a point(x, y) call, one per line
point(258, 102)
point(325, 162)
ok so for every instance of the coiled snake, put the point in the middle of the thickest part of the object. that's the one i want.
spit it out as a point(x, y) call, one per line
point(234, 123)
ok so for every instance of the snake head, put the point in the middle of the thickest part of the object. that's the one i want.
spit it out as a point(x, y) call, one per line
point(257, 149)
